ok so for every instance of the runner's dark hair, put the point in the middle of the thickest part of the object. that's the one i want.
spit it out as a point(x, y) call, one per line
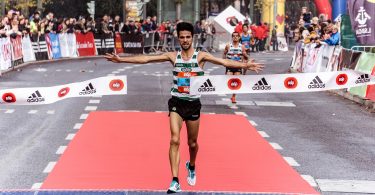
point(181, 26)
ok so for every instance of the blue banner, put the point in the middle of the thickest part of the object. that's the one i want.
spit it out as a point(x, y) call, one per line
point(55, 45)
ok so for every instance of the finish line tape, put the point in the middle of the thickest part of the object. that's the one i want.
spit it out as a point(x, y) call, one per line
point(279, 83)
point(111, 85)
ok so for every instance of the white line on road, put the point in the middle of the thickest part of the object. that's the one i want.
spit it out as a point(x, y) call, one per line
point(77, 126)
point(68, 70)
point(36, 186)
point(241, 113)
point(33, 111)
point(9, 111)
point(50, 112)
point(49, 167)
point(222, 95)
point(70, 136)
point(61, 150)
point(350, 186)
point(253, 123)
point(283, 104)
point(276, 146)
point(291, 161)
point(58, 70)
point(121, 70)
point(111, 75)
point(233, 107)
point(91, 108)
point(115, 72)
point(263, 134)
point(83, 116)
point(310, 180)
point(94, 102)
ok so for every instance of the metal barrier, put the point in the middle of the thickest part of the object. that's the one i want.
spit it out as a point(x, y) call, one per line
point(149, 42)
point(364, 48)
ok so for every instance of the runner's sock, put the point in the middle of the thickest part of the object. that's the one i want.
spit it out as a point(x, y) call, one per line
point(192, 167)
point(176, 179)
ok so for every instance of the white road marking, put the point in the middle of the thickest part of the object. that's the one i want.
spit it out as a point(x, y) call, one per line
point(121, 70)
point(241, 113)
point(291, 161)
point(310, 180)
point(157, 72)
point(115, 72)
point(36, 186)
point(9, 111)
point(253, 123)
point(222, 95)
point(97, 96)
point(77, 126)
point(49, 167)
point(68, 70)
point(276, 146)
point(111, 75)
point(233, 107)
point(91, 71)
point(83, 116)
point(58, 70)
point(211, 113)
point(225, 99)
point(61, 150)
point(94, 102)
point(33, 111)
point(166, 72)
point(282, 104)
point(91, 108)
point(50, 112)
point(278, 59)
point(263, 134)
point(160, 111)
point(136, 65)
point(70, 136)
point(135, 71)
point(349, 186)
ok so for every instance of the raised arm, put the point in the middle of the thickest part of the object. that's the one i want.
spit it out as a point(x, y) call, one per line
point(250, 65)
point(141, 59)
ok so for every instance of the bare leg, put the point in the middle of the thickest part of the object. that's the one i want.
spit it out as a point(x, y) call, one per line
point(233, 95)
point(175, 122)
point(192, 132)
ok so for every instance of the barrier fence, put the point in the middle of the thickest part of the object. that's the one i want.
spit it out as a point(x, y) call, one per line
point(314, 58)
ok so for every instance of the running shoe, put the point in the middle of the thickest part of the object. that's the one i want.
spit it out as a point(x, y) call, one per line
point(174, 187)
point(191, 178)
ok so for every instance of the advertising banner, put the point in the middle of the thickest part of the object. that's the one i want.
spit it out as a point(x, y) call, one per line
point(16, 48)
point(110, 85)
point(85, 44)
point(362, 17)
point(132, 43)
point(229, 18)
point(278, 83)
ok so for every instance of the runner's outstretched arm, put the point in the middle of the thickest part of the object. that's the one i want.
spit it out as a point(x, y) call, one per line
point(140, 59)
point(250, 65)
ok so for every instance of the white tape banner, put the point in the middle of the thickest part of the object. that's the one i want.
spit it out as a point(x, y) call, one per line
point(111, 85)
point(279, 83)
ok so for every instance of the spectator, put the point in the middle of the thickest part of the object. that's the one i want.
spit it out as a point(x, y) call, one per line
point(333, 37)
point(274, 42)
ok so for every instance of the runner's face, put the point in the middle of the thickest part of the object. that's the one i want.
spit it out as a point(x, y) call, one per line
point(185, 38)
point(236, 37)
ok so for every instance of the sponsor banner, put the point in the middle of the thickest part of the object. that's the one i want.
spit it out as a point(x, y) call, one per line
point(110, 85)
point(85, 44)
point(27, 48)
point(229, 18)
point(118, 43)
point(54, 45)
point(365, 64)
point(133, 43)
point(64, 46)
point(362, 17)
point(17, 48)
point(370, 93)
point(5, 53)
point(282, 45)
point(278, 83)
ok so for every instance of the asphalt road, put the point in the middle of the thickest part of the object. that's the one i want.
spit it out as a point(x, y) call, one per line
point(330, 138)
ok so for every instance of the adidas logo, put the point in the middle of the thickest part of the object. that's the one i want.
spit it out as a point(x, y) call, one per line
point(36, 97)
point(363, 79)
point(262, 85)
point(207, 86)
point(316, 83)
point(88, 90)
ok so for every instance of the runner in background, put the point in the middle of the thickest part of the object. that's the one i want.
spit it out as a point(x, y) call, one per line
point(245, 41)
point(237, 52)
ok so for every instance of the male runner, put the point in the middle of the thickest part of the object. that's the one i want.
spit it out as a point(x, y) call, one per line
point(245, 41)
point(183, 106)
point(237, 52)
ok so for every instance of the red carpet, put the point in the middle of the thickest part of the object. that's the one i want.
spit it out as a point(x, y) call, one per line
point(115, 150)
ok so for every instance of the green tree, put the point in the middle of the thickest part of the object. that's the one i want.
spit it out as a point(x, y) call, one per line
point(67, 8)
point(112, 7)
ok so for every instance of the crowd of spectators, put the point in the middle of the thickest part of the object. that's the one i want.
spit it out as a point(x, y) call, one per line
point(317, 30)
